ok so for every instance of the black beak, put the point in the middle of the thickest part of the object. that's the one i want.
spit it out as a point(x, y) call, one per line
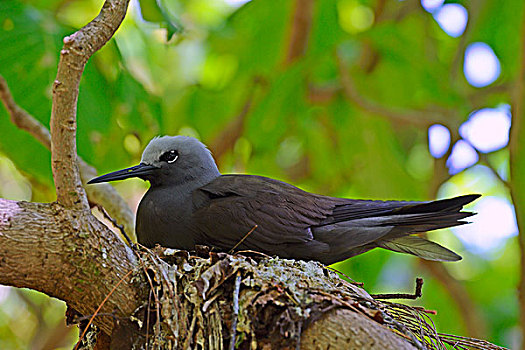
point(135, 171)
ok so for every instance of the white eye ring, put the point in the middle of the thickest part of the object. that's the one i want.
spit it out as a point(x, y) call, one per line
point(169, 157)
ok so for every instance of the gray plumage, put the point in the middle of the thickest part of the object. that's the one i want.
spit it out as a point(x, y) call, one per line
point(190, 202)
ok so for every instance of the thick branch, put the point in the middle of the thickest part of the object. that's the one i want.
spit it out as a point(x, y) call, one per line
point(66, 254)
point(334, 325)
point(103, 194)
point(77, 49)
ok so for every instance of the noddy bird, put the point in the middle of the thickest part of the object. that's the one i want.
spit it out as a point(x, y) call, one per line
point(190, 203)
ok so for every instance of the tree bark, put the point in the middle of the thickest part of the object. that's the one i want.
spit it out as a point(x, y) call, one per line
point(344, 329)
point(103, 194)
point(69, 255)
point(78, 48)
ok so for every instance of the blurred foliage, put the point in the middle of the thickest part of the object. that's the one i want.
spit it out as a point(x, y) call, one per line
point(224, 73)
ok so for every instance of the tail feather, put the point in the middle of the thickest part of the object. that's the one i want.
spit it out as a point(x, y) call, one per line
point(414, 223)
point(419, 247)
point(361, 209)
point(426, 217)
point(442, 205)
point(359, 226)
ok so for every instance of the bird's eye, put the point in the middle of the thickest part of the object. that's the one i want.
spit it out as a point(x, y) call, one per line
point(170, 156)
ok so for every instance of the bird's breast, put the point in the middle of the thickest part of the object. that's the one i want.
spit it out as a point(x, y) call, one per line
point(164, 220)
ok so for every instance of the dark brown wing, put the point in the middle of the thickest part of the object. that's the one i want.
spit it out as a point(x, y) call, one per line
point(231, 205)
point(294, 223)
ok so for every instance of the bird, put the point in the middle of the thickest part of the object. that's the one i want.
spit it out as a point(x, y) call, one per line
point(191, 203)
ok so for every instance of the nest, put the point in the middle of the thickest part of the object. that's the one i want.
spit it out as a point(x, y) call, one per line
point(245, 301)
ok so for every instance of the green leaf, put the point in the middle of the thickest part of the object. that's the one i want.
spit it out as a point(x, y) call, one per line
point(28, 63)
point(155, 11)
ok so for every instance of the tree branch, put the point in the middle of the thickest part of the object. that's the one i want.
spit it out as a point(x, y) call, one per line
point(21, 118)
point(296, 47)
point(69, 255)
point(485, 159)
point(77, 49)
point(226, 139)
point(103, 194)
point(108, 197)
point(423, 118)
point(300, 30)
point(469, 311)
point(335, 326)
point(517, 172)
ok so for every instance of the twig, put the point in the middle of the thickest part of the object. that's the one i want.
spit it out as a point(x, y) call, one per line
point(187, 341)
point(304, 316)
point(379, 10)
point(338, 299)
point(422, 309)
point(370, 57)
point(231, 132)
point(115, 223)
point(474, 322)
point(403, 330)
point(242, 239)
point(103, 194)
point(262, 255)
point(481, 97)
point(300, 30)
point(21, 118)
point(100, 306)
point(441, 174)
point(417, 293)
point(235, 314)
point(100, 314)
point(135, 248)
point(299, 332)
point(468, 309)
point(77, 49)
point(157, 302)
point(465, 39)
point(472, 343)
point(422, 118)
point(483, 157)
point(147, 318)
point(359, 284)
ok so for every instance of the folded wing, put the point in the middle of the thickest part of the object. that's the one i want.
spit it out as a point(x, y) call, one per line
point(296, 224)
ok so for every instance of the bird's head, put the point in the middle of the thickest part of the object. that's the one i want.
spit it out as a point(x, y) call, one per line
point(169, 160)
